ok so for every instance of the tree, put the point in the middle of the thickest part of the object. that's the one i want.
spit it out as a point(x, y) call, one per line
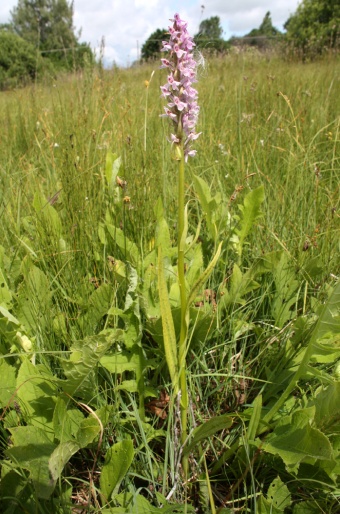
point(210, 28)
point(257, 37)
point(19, 61)
point(314, 27)
point(152, 46)
point(210, 34)
point(48, 25)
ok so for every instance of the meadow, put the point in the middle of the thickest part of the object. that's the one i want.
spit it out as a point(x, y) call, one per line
point(89, 420)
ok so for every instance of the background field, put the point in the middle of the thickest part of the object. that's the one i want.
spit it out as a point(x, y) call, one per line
point(264, 122)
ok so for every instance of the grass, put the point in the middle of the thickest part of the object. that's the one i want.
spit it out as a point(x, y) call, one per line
point(265, 122)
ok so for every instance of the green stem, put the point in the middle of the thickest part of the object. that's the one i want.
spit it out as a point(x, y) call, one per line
point(183, 333)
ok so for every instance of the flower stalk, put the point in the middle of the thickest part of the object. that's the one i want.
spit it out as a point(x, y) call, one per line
point(183, 110)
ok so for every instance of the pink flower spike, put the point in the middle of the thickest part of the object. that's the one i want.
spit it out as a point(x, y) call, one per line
point(182, 106)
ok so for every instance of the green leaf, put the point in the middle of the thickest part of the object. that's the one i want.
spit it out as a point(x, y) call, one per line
point(295, 440)
point(328, 323)
point(36, 390)
point(88, 430)
point(169, 335)
point(118, 459)
point(31, 450)
point(329, 320)
point(250, 213)
point(203, 277)
point(208, 429)
point(112, 167)
point(60, 457)
point(203, 192)
point(66, 422)
point(138, 504)
point(49, 218)
point(120, 361)
point(8, 323)
point(255, 418)
point(327, 407)
point(308, 507)
point(286, 287)
point(80, 369)
point(5, 293)
point(15, 491)
point(34, 297)
point(240, 285)
point(162, 234)
point(278, 495)
point(128, 248)
point(7, 383)
point(98, 305)
point(194, 260)
point(264, 506)
point(326, 351)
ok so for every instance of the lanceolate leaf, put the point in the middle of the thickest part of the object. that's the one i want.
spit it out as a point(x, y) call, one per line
point(255, 418)
point(208, 429)
point(162, 235)
point(169, 335)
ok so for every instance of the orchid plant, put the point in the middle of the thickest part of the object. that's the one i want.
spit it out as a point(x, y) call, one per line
point(183, 110)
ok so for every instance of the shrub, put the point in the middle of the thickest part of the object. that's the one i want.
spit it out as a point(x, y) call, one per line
point(19, 61)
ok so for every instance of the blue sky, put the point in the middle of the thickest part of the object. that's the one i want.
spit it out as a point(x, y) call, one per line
point(126, 24)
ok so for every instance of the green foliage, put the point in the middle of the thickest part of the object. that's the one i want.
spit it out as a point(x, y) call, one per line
point(19, 62)
point(48, 26)
point(89, 289)
point(152, 47)
point(118, 459)
point(211, 28)
point(278, 498)
point(261, 37)
point(250, 212)
point(209, 36)
point(314, 27)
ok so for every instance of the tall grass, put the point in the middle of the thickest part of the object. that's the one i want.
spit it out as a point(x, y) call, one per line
point(264, 122)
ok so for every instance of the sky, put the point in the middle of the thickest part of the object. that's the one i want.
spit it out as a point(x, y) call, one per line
point(124, 25)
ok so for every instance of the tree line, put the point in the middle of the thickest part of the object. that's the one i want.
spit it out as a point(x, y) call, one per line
point(313, 29)
point(40, 39)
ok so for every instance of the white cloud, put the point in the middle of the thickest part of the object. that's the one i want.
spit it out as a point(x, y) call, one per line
point(126, 24)
point(243, 15)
